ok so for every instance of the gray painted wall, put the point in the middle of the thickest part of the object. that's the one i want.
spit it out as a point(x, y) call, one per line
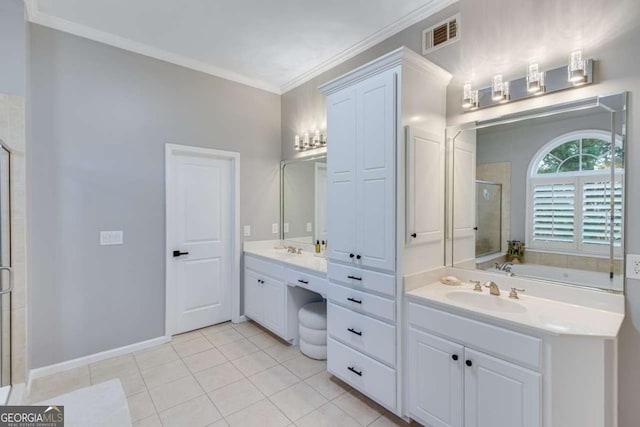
point(501, 36)
point(13, 55)
point(518, 143)
point(100, 119)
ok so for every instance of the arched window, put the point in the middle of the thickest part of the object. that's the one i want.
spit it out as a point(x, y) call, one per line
point(569, 194)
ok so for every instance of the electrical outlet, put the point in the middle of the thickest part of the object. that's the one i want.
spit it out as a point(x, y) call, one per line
point(247, 231)
point(633, 267)
point(108, 238)
point(274, 228)
point(286, 227)
point(309, 227)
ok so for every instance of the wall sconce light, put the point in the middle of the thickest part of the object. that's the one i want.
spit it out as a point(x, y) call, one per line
point(469, 97)
point(576, 70)
point(535, 80)
point(307, 142)
point(500, 89)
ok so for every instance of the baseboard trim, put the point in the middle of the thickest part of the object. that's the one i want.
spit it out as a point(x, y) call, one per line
point(92, 358)
point(240, 319)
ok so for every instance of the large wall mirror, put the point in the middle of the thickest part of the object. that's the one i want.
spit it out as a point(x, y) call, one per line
point(304, 200)
point(540, 194)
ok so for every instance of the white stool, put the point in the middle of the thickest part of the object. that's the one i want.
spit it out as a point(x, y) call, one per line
point(312, 330)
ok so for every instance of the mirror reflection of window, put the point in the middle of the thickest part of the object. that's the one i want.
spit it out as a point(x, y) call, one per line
point(570, 202)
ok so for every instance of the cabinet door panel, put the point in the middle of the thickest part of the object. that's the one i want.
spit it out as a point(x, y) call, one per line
point(376, 127)
point(435, 380)
point(500, 394)
point(425, 186)
point(341, 175)
point(252, 296)
point(273, 300)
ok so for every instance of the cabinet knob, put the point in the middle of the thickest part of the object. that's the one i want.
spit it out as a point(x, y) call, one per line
point(454, 356)
point(358, 257)
point(469, 363)
point(414, 235)
point(351, 255)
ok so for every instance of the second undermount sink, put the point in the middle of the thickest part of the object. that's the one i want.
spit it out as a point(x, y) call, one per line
point(486, 301)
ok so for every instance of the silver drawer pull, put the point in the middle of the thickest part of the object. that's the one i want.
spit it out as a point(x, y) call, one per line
point(352, 369)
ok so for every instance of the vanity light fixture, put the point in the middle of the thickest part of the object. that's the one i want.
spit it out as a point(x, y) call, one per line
point(469, 97)
point(576, 70)
point(535, 79)
point(500, 89)
point(308, 141)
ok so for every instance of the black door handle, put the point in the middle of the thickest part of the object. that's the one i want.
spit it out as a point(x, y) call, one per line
point(475, 228)
point(178, 253)
point(354, 300)
point(354, 277)
point(358, 373)
point(353, 331)
point(414, 235)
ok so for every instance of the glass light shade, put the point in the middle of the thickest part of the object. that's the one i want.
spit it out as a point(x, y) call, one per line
point(469, 97)
point(576, 68)
point(497, 89)
point(306, 141)
point(505, 92)
point(296, 142)
point(316, 138)
point(533, 79)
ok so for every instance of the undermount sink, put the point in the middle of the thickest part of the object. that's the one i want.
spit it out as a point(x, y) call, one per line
point(486, 301)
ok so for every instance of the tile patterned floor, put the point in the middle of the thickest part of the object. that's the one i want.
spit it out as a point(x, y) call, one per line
point(225, 375)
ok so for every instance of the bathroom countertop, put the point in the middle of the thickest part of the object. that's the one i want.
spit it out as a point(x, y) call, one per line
point(271, 250)
point(546, 315)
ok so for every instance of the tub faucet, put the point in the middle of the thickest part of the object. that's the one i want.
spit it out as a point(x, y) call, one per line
point(493, 288)
point(505, 266)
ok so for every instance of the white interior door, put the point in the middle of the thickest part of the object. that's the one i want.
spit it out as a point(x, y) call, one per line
point(199, 236)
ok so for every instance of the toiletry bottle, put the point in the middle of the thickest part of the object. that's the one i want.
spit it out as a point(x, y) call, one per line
point(317, 246)
point(323, 253)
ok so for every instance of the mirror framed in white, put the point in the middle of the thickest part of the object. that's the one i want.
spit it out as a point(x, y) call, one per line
point(585, 250)
point(303, 199)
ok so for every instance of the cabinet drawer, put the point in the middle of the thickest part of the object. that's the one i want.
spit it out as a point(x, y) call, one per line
point(362, 279)
point(308, 281)
point(510, 345)
point(362, 301)
point(363, 373)
point(272, 269)
point(363, 333)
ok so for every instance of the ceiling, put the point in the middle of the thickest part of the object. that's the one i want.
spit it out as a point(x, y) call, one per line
point(270, 44)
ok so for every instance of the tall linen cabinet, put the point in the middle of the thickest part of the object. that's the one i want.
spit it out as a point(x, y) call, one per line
point(385, 201)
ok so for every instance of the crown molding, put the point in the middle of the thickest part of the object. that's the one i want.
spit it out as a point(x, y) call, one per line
point(37, 17)
point(423, 12)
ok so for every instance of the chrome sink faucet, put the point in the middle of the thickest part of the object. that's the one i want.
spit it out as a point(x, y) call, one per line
point(493, 288)
point(291, 249)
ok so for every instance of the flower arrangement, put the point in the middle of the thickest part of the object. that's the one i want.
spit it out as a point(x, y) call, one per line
point(515, 251)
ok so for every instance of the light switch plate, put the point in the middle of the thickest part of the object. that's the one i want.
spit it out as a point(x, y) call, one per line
point(633, 266)
point(247, 231)
point(274, 228)
point(309, 227)
point(108, 238)
point(286, 227)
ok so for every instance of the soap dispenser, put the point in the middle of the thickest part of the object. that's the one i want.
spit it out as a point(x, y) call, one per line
point(318, 246)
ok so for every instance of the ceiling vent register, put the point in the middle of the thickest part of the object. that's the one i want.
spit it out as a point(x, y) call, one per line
point(441, 35)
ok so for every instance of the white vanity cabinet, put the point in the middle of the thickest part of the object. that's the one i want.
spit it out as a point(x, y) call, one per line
point(453, 384)
point(275, 291)
point(368, 112)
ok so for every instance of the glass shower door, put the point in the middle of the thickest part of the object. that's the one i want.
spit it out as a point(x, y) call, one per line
point(488, 218)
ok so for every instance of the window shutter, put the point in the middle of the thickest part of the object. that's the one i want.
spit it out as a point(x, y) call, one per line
point(596, 207)
point(553, 212)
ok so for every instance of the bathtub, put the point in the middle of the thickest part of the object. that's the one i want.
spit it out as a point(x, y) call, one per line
point(591, 279)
